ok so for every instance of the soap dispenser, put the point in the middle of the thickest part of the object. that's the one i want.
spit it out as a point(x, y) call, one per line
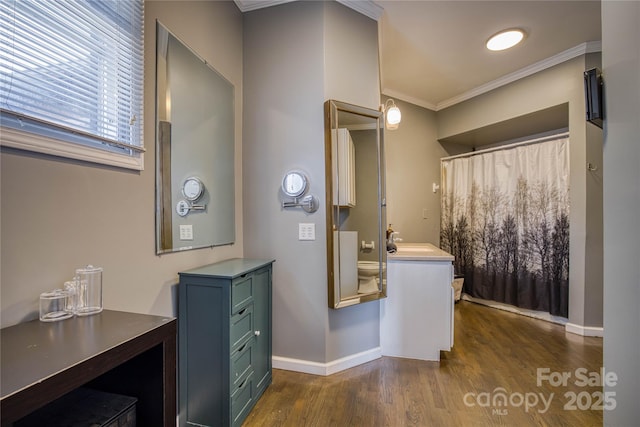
point(391, 247)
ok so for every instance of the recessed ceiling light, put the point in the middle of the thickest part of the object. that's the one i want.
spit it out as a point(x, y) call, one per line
point(505, 39)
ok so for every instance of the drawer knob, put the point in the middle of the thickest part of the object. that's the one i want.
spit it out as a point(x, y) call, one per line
point(257, 333)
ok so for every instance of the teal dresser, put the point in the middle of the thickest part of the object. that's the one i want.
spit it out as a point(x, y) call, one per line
point(224, 337)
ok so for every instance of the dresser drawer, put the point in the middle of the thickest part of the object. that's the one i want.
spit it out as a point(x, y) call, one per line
point(242, 363)
point(242, 400)
point(241, 292)
point(241, 327)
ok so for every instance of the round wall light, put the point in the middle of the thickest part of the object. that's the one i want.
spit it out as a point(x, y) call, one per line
point(505, 39)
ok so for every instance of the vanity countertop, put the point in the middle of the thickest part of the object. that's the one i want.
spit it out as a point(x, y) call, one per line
point(419, 252)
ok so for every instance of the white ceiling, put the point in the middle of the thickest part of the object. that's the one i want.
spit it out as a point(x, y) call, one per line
point(432, 53)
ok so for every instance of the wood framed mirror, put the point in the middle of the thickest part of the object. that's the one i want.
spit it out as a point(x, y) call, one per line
point(355, 203)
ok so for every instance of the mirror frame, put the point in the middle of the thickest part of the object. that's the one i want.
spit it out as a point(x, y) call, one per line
point(332, 108)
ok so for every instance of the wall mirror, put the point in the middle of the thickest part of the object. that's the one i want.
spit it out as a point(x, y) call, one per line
point(195, 189)
point(356, 206)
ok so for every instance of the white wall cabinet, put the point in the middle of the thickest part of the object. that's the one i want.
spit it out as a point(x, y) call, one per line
point(344, 169)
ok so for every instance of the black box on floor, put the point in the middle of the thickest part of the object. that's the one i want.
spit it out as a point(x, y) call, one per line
point(85, 407)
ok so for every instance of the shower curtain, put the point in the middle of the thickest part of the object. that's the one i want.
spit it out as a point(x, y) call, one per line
point(505, 218)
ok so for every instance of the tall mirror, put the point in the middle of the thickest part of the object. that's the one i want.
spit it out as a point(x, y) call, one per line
point(356, 206)
point(195, 190)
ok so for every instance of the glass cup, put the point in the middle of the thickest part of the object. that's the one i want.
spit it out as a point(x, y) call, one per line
point(72, 289)
point(88, 290)
point(54, 306)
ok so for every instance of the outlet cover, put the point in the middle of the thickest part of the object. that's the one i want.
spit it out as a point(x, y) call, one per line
point(306, 231)
point(186, 232)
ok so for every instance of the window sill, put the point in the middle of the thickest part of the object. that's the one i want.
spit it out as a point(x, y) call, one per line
point(32, 142)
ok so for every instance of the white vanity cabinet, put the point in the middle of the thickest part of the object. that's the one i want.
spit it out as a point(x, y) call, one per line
point(345, 168)
point(416, 318)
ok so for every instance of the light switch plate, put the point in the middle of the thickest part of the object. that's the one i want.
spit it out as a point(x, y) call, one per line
point(306, 231)
point(186, 232)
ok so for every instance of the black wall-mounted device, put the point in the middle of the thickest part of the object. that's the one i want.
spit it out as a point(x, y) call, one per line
point(593, 94)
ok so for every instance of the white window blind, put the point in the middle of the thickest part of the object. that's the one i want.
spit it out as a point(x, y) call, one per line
point(72, 71)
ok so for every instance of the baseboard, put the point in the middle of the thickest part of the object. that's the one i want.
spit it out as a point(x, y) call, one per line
point(324, 369)
point(518, 310)
point(585, 331)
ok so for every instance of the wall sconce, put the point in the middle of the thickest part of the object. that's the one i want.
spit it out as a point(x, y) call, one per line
point(392, 114)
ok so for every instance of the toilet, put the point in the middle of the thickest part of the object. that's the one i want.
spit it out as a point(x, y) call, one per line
point(368, 276)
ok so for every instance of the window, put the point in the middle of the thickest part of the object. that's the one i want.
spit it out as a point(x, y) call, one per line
point(71, 78)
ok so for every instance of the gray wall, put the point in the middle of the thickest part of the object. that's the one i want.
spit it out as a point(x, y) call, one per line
point(66, 214)
point(621, 67)
point(283, 102)
point(350, 56)
point(413, 164)
point(292, 53)
point(557, 85)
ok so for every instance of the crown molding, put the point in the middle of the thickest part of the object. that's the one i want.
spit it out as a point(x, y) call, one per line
point(366, 7)
point(249, 5)
point(390, 93)
point(574, 52)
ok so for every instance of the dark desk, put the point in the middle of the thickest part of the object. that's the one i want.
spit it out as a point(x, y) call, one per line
point(118, 352)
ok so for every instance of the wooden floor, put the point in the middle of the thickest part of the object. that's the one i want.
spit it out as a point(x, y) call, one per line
point(496, 355)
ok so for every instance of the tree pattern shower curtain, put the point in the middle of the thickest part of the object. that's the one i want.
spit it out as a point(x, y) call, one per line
point(505, 218)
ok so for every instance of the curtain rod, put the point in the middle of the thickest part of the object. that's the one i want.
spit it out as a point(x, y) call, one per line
point(507, 146)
